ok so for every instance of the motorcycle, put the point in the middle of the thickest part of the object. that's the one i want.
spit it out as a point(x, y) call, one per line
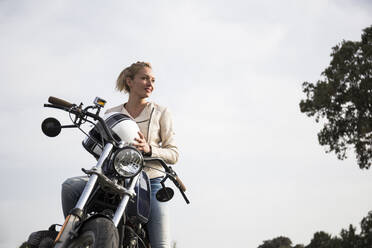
point(114, 207)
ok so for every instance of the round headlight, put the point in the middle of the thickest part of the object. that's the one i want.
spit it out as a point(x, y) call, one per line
point(128, 162)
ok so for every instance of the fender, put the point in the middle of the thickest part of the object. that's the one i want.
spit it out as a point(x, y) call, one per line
point(91, 218)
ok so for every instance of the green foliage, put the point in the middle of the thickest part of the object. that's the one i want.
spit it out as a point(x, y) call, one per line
point(299, 246)
point(343, 100)
point(348, 238)
point(366, 230)
point(323, 240)
point(279, 242)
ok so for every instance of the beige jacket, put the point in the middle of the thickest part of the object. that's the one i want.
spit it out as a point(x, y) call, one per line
point(160, 136)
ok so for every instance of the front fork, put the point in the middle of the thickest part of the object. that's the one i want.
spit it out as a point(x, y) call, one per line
point(73, 218)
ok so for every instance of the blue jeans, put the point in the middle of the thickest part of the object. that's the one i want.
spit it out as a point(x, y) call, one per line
point(158, 224)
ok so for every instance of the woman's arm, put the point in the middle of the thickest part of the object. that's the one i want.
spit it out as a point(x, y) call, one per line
point(167, 149)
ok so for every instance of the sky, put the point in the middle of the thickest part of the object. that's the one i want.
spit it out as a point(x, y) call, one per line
point(231, 74)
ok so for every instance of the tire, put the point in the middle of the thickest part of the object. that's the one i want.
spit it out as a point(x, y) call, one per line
point(47, 243)
point(97, 233)
point(38, 238)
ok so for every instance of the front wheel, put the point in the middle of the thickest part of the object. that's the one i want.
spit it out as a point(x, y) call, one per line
point(97, 233)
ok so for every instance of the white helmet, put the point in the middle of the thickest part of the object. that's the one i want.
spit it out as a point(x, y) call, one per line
point(123, 129)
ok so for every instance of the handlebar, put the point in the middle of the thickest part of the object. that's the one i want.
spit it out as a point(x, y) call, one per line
point(182, 186)
point(169, 171)
point(172, 175)
point(82, 113)
point(56, 101)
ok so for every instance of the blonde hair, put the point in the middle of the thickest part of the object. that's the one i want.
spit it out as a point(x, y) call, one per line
point(129, 72)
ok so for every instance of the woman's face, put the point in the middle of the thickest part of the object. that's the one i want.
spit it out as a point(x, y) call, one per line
point(142, 84)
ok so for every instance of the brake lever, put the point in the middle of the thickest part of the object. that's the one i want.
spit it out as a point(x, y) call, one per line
point(172, 177)
point(185, 197)
point(178, 183)
point(170, 173)
point(79, 118)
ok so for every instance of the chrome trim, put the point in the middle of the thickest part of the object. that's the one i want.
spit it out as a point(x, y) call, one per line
point(124, 202)
point(133, 158)
point(93, 178)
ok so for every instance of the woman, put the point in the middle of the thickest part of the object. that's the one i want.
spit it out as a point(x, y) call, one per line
point(156, 139)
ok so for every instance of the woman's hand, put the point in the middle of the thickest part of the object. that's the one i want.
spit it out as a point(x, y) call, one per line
point(142, 144)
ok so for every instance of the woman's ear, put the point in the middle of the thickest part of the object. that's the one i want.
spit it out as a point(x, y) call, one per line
point(129, 82)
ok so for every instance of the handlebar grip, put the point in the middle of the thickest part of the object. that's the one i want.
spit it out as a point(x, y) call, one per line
point(60, 102)
point(183, 187)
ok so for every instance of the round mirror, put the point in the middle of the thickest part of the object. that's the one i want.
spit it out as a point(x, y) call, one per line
point(51, 127)
point(164, 194)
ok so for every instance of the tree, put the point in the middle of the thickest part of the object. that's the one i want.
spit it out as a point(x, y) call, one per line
point(279, 242)
point(343, 100)
point(324, 240)
point(299, 246)
point(366, 230)
point(349, 238)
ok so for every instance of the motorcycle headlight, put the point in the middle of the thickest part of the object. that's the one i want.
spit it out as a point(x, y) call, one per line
point(128, 161)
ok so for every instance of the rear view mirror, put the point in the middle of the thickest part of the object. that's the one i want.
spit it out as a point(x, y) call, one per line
point(164, 194)
point(51, 127)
